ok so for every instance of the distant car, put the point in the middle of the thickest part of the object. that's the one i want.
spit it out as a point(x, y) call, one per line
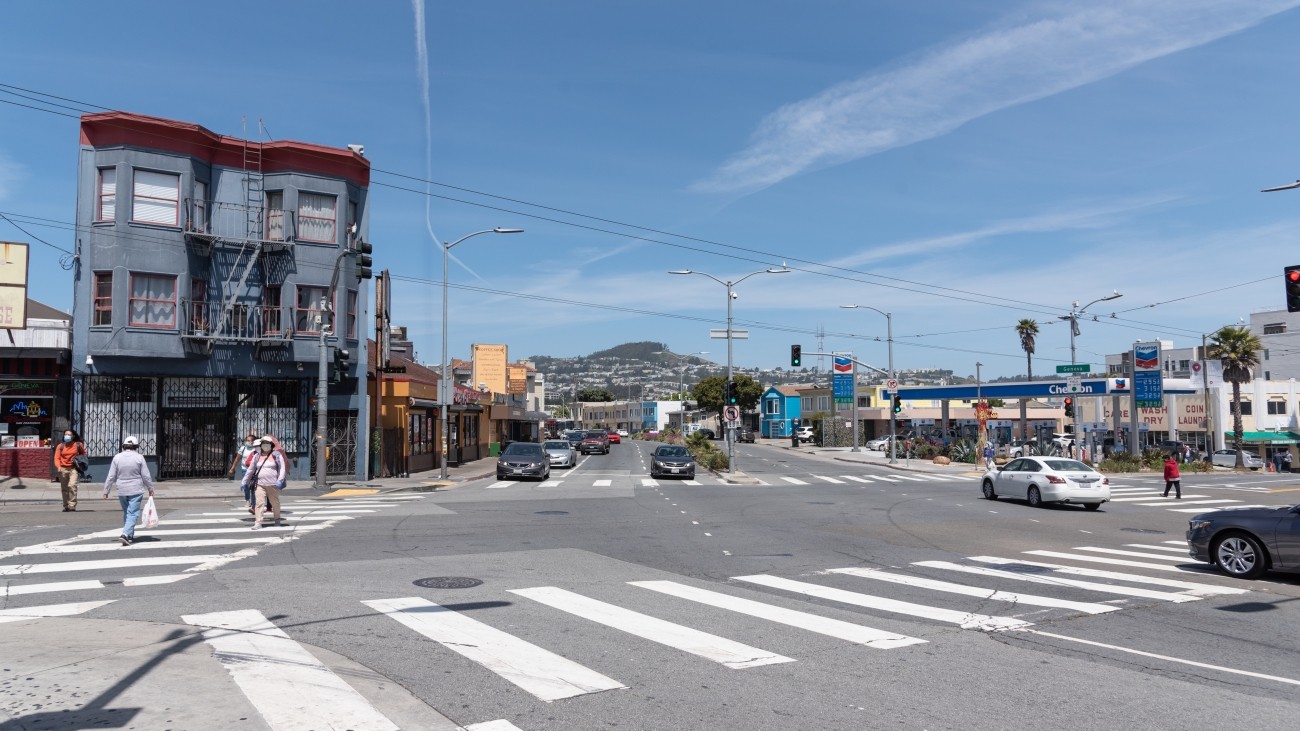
point(708, 433)
point(575, 437)
point(745, 434)
point(594, 442)
point(672, 460)
point(805, 433)
point(523, 459)
point(1246, 542)
point(1228, 458)
point(562, 453)
point(1022, 448)
point(879, 444)
point(623, 433)
point(613, 437)
point(1048, 480)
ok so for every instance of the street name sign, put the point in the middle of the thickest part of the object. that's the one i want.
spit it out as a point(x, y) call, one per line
point(735, 334)
point(1074, 368)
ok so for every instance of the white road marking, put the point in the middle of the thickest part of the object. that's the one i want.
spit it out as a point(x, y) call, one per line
point(497, 485)
point(909, 477)
point(235, 520)
point(115, 563)
point(1032, 600)
point(1144, 498)
point(148, 545)
point(290, 688)
point(498, 725)
point(831, 480)
point(1112, 561)
point(160, 532)
point(541, 672)
point(1190, 587)
point(49, 587)
point(1135, 554)
point(793, 481)
point(888, 479)
point(551, 483)
point(1167, 658)
point(1182, 550)
point(1234, 507)
point(50, 610)
point(603, 483)
point(692, 483)
point(1059, 581)
point(152, 580)
point(1185, 501)
point(855, 633)
point(855, 478)
point(965, 620)
point(647, 482)
point(732, 654)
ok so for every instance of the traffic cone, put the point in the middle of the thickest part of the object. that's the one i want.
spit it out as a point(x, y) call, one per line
point(1270, 466)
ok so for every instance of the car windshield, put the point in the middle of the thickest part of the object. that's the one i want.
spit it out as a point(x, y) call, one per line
point(672, 452)
point(556, 445)
point(522, 448)
point(1066, 465)
point(595, 435)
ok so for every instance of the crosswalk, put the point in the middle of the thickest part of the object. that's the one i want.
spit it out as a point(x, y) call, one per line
point(181, 546)
point(702, 479)
point(1191, 502)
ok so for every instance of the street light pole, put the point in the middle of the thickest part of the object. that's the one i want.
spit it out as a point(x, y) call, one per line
point(445, 386)
point(731, 294)
point(1073, 318)
point(893, 376)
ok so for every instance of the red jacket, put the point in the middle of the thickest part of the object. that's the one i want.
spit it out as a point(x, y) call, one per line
point(1171, 469)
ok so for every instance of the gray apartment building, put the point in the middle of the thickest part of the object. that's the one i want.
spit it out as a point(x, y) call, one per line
point(210, 272)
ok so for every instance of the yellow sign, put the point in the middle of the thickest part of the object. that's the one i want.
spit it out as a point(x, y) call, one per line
point(13, 286)
point(489, 367)
point(518, 379)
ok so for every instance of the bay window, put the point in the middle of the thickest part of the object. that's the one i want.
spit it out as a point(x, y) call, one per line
point(311, 313)
point(106, 205)
point(317, 216)
point(153, 300)
point(155, 197)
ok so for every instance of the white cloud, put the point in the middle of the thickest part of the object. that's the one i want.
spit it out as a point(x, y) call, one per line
point(949, 86)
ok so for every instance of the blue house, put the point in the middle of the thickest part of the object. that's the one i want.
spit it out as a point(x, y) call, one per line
point(780, 411)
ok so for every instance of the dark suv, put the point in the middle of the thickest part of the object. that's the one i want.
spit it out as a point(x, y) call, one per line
point(745, 434)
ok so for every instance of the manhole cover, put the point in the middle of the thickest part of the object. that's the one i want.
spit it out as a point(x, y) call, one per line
point(551, 512)
point(1142, 530)
point(448, 582)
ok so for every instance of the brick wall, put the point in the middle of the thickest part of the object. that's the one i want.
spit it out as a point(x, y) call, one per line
point(28, 463)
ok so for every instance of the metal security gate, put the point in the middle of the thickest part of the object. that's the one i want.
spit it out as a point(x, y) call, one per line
point(194, 444)
point(341, 442)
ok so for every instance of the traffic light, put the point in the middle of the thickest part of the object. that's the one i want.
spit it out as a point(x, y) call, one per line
point(1292, 274)
point(364, 259)
point(898, 404)
point(1069, 406)
point(733, 393)
point(342, 359)
point(796, 356)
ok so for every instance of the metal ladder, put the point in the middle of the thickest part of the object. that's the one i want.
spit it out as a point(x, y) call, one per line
point(255, 220)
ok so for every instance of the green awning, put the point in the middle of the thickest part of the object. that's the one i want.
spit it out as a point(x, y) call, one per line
point(1268, 437)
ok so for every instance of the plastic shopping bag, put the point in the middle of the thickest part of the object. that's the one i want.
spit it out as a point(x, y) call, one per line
point(150, 516)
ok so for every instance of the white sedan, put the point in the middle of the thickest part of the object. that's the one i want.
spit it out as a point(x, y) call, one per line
point(879, 444)
point(1228, 458)
point(1048, 480)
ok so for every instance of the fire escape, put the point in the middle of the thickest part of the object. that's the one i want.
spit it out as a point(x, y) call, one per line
point(237, 239)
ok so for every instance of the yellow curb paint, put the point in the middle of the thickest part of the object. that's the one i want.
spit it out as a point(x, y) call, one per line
point(1287, 489)
point(350, 493)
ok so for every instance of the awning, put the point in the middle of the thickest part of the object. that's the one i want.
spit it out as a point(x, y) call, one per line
point(424, 403)
point(1267, 437)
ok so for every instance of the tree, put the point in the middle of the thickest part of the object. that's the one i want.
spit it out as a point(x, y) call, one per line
point(1238, 349)
point(709, 393)
point(591, 393)
point(1028, 330)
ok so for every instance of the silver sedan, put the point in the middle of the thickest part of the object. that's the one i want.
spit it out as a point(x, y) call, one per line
point(561, 453)
point(1228, 458)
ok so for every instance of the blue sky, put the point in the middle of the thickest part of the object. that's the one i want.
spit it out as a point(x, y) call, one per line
point(962, 165)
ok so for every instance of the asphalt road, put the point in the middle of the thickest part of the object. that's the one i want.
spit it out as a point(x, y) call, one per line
point(831, 595)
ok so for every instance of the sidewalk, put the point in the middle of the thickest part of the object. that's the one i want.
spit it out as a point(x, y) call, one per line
point(881, 459)
point(19, 491)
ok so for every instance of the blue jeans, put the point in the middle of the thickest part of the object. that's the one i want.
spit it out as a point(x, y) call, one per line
point(131, 507)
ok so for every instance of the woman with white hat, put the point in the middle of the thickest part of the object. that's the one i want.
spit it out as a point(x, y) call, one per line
point(265, 475)
point(131, 474)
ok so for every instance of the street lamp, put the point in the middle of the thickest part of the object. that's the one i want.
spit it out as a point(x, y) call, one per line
point(681, 378)
point(889, 339)
point(731, 295)
point(445, 386)
point(1073, 318)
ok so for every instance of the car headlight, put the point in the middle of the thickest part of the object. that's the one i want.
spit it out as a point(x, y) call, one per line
point(1199, 524)
point(659, 464)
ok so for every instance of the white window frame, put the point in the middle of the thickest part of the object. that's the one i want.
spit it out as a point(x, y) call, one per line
point(199, 208)
point(103, 195)
point(155, 194)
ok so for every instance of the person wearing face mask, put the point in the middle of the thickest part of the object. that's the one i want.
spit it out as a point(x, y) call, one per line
point(245, 448)
point(65, 456)
point(266, 470)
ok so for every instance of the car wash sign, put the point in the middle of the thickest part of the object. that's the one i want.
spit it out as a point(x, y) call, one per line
point(1148, 377)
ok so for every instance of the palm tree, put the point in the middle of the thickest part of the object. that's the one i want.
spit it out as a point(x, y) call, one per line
point(1238, 349)
point(1027, 330)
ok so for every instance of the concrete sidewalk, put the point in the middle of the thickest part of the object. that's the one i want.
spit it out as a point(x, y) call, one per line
point(18, 491)
point(881, 459)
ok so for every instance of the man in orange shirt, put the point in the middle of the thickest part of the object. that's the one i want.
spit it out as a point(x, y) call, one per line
point(65, 455)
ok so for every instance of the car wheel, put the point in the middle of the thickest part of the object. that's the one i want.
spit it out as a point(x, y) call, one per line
point(989, 494)
point(1034, 497)
point(1240, 555)
point(1092, 506)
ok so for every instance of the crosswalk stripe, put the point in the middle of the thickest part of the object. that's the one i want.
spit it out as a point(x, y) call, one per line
point(692, 483)
point(1173, 549)
point(1191, 587)
point(50, 610)
point(831, 480)
point(153, 580)
point(1185, 501)
point(855, 478)
point(369, 498)
point(1135, 554)
point(1144, 498)
point(965, 620)
point(541, 672)
point(647, 482)
point(793, 481)
point(1113, 488)
point(1112, 561)
point(237, 519)
point(730, 653)
point(1234, 507)
point(162, 532)
point(885, 478)
point(502, 483)
point(551, 483)
point(144, 545)
point(114, 563)
point(49, 587)
point(290, 688)
point(603, 483)
point(498, 725)
point(1032, 600)
point(1058, 581)
point(855, 633)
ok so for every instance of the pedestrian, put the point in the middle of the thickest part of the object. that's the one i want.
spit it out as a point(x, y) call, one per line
point(988, 455)
point(65, 461)
point(266, 476)
point(242, 453)
point(131, 475)
point(1286, 461)
point(1173, 478)
point(1277, 461)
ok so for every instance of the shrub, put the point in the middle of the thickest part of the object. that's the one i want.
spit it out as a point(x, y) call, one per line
point(713, 460)
point(1122, 462)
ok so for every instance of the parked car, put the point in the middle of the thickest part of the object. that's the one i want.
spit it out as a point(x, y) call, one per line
point(708, 433)
point(745, 434)
point(672, 459)
point(623, 433)
point(879, 444)
point(594, 442)
point(523, 459)
point(561, 453)
point(1048, 480)
point(805, 433)
point(1246, 542)
point(1228, 458)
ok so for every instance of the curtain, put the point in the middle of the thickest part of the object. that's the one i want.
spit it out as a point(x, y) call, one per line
point(316, 217)
point(155, 197)
point(153, 300)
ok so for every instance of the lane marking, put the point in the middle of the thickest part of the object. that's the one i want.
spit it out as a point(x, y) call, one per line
point(499, 485)
point(1234, 507)
point(50, 610)
point(855, 633)
point(793, 480)
point(147, 545)
point(603, 483)
point(647, 482)
point(1114, 561)
point(1182, 550)
point(729, 653)
point(1059, 581)
point(551, 483)
point(692, 483)
point(498, 725)
point(48, 587)
point(855, 478)
point(1032, 600)
point(1191, 587)
point(541, 672)
point(290, 688)
point(886, 478)
point(831, 480)
point(965, 620)
point(1185, 501)
point(153, 580)
point(115, 563)
point(1137, 554)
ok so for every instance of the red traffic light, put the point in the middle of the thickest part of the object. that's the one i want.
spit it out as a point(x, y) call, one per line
point(1068, 400)
point(1293, 275)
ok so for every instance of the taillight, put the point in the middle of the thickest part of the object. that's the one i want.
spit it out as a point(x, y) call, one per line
point(1056, 480)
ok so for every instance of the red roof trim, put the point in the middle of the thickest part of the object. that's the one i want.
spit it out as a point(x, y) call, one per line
point(110, 129)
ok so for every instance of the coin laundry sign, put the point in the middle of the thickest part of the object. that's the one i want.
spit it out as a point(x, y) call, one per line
point(1148, 379)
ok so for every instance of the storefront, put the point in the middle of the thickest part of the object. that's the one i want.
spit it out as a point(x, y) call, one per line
point(466, 428)
point(34, 392)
